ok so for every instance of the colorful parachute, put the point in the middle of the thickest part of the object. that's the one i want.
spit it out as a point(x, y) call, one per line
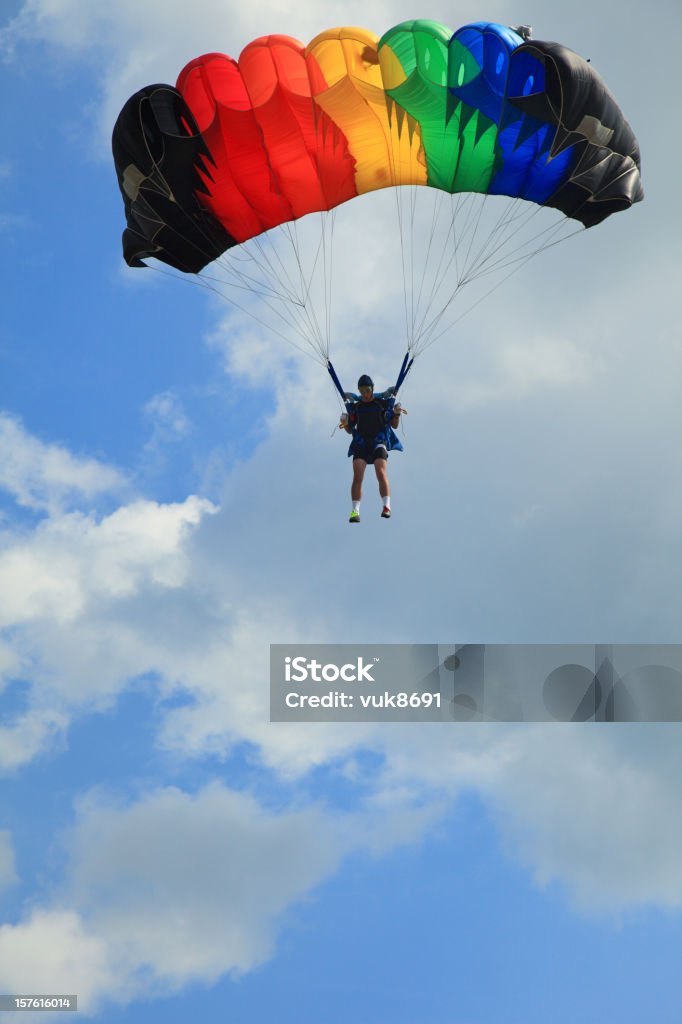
point(240, 147)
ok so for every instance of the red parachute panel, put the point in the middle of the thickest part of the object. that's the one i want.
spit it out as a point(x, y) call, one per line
point(277, 154)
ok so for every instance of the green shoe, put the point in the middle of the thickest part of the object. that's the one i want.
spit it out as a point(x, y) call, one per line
point(354, 517)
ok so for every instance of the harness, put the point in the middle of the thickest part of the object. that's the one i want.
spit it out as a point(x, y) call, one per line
point(386, 436)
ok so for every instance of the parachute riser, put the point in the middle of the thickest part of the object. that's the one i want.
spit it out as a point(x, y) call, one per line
point(335, 379)
point(404, 370)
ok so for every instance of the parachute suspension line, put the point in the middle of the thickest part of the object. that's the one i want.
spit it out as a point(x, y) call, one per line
point(283, 278)
point(496, 239)
point(480, 207)
point(209, 253)
point(327, 266)
point(413, 194)
point(465, 279)
point(229, 268)
point(470, 261)
point(473, 258)
point(462, 210)
point(500, 235)
point(282, 301)
point(323, 235)
point(301, 315)
point(519, 262)
point(331, 273)
point(229, 261)
point(435, 217)
point(198, 281)
point(523, 258)
point(327, 221)
point(450, 244)
point(308, 325)
point(437, 206)
point(438, 276)
point(518, 254)
point(293, 311)
point(313, 333)
point(397, 172)
point(412, 247)
point(398, 200)
point(245, 253)
point(246, 282)
point(460, 227)
point(201, 279)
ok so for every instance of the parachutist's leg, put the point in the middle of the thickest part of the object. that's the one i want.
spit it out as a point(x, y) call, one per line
point(381, 471)
point(359, 467)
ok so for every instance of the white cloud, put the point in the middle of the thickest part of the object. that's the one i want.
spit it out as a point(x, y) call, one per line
point(596, 811)
point(519, 366)
point(256, 357)
point(75, 559)
point(599, 816)
point(169, 420)
point(30, 734)
point(44, 476)
point(170, 426)
point(55, 949)
point(135, 44)
point(172, 889)
point(189, 885)
point(71, 593)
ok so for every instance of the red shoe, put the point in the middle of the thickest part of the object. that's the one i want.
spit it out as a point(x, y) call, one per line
point(386, 514)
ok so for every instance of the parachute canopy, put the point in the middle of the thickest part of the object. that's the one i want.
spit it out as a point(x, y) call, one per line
point(239, 147)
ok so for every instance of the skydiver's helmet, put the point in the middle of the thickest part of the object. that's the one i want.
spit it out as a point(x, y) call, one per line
point(365, 382)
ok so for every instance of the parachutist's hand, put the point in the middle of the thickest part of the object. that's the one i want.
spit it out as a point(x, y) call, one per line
point(389, 392)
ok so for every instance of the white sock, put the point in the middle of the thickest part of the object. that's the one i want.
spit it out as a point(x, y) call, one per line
point(356, 506)
point(387, 501)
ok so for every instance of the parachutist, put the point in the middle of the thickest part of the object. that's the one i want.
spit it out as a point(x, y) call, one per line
point(241, 147)
point(371, 420)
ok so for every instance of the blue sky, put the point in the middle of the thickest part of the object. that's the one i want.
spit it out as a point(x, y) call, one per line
point(172, 503)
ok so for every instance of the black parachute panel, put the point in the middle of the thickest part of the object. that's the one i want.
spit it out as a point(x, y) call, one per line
point(605, 172)
point(158, 153)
